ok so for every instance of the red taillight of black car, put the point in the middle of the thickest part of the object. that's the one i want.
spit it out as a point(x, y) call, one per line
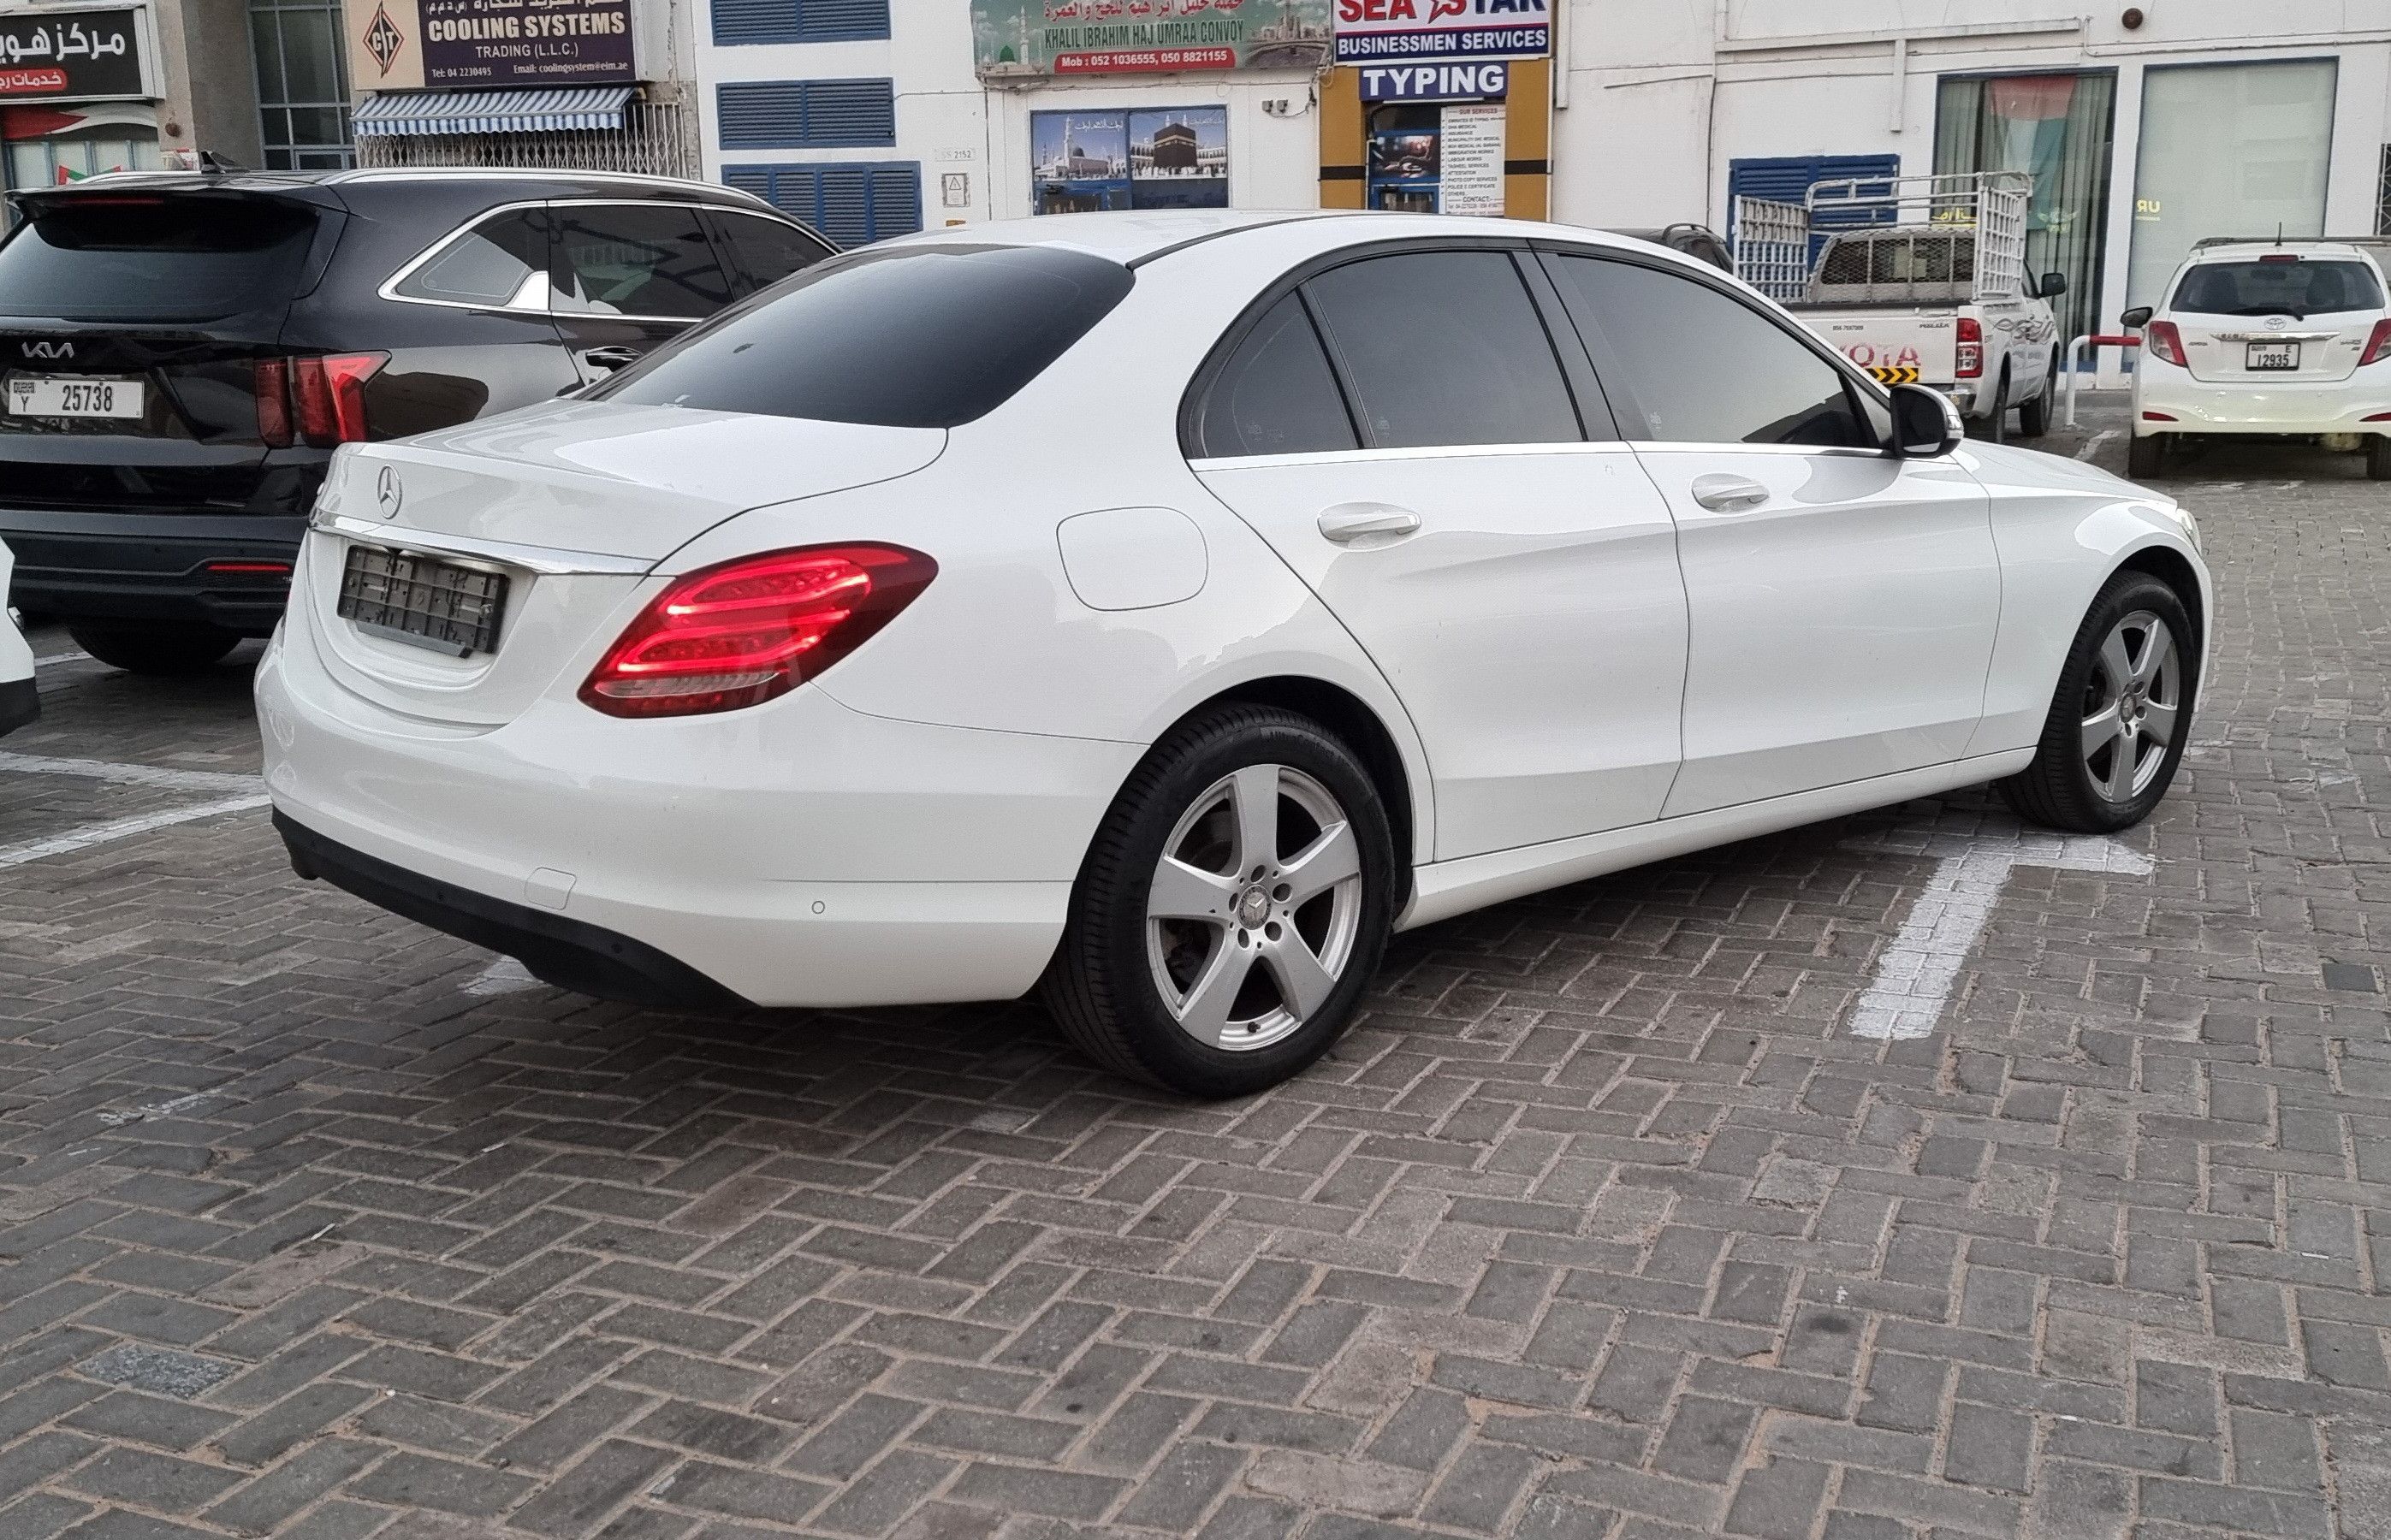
point(315, 399)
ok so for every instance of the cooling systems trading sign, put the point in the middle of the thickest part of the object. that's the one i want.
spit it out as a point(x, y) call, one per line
point(1386, 31)
point(53, 55)
point(410, 44)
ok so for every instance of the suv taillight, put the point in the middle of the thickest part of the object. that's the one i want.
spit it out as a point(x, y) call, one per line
point(2163, 343)
point(323, 395)
point(1971, 348)
point(742, 633)
point(2378, 344)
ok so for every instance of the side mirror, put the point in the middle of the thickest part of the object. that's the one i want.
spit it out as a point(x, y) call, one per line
point(2053, 285)
point(1925, 424)
point(2137, 318)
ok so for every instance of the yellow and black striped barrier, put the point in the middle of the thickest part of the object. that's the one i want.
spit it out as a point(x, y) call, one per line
point(1887, 374)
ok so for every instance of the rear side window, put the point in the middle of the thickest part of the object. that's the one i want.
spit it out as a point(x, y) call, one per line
point(502, 261)
point(1445, 348)
point(767, 248)
point(2297, 287)
point(929, 337)
point(636, 259)
point(1275, 395)
point(1703, 366)
point(154, 259)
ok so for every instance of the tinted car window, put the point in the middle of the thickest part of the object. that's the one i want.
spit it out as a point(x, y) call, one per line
point(497, 261)
point(928, 337)
point(767, 248)
point(2297, 287)
point(154, 259)
point(636, 259)
point(1445, 348)
point(1704, 368)
point(1275, 395)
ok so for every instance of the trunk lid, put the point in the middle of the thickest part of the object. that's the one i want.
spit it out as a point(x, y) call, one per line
point(2278, 318)
point(574, 504)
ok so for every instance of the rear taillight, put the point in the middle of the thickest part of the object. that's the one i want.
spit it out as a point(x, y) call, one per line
point(2162, 341)
point(1971, 348)
point(2378, 344)
point(323, 395)
point(746, 630)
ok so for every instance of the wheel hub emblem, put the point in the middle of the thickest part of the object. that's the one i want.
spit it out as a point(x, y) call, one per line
point(1254, 907)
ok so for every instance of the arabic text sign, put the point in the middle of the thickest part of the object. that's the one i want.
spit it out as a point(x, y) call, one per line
point(69, 55)
point(1116, 37)
point(1374, 32)
point(526, 42)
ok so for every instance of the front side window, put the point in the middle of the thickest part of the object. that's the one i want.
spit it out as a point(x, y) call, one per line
point(1704, 366)
point(636, 259)
point(502, 261)
point(1445, 348)
point(1275, 395)
point(914, 337)
point(2293, 286)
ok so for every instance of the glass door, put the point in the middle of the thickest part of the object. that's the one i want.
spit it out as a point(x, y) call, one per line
point(2058, 128)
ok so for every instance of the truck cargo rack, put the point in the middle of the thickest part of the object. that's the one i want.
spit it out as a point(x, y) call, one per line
point(1903, 239)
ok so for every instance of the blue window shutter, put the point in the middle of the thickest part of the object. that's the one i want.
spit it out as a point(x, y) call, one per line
point(807, 114)
point(737, 21)
point(1788, 179)
point(854, 203)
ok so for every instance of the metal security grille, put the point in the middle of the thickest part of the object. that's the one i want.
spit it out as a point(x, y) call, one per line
point(807, 114)
point(854, 204)
point(737, 21)
point(658, 138)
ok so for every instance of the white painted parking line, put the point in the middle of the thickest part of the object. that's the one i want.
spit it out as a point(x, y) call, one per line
point(504, 976)
point(2092, 445)
point(127, 775)
point(121, 829)
point(1913, 979)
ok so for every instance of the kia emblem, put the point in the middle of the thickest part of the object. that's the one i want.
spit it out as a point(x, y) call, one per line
point(388, 493)
point(49, 349)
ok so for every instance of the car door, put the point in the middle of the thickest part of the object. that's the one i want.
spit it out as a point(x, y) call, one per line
point(626, 277)
point(1403, 430)
point(1843, 601)
point(762, 251)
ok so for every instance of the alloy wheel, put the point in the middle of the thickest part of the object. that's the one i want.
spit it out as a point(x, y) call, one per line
point(2133, 702)
point(1254, 908)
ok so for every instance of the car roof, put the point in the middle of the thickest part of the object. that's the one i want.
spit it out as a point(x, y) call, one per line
point(2246, 250)
point(496, 184)
point(1136, 237)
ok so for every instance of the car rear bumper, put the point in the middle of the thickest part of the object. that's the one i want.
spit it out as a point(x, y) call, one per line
point(796, 853)
point(149, 567)
point(2288, 406)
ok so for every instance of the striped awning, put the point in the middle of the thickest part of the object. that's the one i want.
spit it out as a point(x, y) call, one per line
point(544, 111)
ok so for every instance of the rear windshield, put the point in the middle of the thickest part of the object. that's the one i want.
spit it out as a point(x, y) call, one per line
point(2297, 287)
point(930, 337)
point(153, 258)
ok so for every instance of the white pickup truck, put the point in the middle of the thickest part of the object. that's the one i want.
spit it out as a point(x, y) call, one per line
point(1921, 281)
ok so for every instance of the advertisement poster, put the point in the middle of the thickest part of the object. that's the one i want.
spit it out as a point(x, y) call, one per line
point(525, 41)
point(1403, 164)
point(1472, 180)
point(52, 55)
point(1123, 37)
point(1106, 159)
point(1394, 32)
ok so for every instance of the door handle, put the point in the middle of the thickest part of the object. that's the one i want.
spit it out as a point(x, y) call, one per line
point(1728, 493)
point(1348, 522)
point(611, 358)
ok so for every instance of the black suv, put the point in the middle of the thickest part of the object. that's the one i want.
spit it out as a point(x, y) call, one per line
point(180, 354)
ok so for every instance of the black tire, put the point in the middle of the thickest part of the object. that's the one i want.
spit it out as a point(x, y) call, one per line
point(2378, 458)
point(2147, 457)
point(2034, 416)
point(1996, 427)
point(1102, 985)
point(2059, 788)
point(155, 649)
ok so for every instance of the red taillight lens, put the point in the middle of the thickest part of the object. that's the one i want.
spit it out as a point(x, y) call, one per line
point(2378, 344)
point(2162, 341)
point(746, 630)
point(274, 402)
point(331, 394)
point(1971, 348)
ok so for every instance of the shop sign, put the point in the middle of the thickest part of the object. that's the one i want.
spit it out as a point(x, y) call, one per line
point(1101, 160)
point(1381, 31)
point(1012, 38)
point(413, 44)
point(1488, 80)
point(53, 55)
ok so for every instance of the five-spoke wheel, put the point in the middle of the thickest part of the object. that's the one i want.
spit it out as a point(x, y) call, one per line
point(2119, 718)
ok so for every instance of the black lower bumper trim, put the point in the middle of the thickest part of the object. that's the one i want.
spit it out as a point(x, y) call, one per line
point(569, 954)
point(20, 703)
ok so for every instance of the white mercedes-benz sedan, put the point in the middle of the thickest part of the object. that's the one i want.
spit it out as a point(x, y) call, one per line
point(1164, 608)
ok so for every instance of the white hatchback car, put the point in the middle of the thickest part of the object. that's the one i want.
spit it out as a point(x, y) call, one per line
point(1166, 607)
point(2288, 338)
point(18, 703)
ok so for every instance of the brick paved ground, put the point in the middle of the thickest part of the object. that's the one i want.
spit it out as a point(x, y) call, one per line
point(1601, 1226)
